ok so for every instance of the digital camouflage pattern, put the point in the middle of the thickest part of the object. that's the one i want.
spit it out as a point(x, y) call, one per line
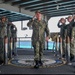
point(62, 30)
point(63, 35)
point(14, 37)
point(39, 29)
point(70, 33)
point(73, 40)
point(9, 30)
point(3, 29)
point(9, 39)
point(38, 36)
point(3, 33)
point(1, 49)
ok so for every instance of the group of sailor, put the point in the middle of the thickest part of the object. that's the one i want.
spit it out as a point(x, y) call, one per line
point(8, 34)
point(67, 31)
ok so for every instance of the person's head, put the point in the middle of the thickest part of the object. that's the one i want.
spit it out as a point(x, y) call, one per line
point(3, 18)
point(69, 18)
point(38, 15)
point(63, 21)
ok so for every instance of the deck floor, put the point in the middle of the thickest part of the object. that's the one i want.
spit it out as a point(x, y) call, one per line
point(28, 54)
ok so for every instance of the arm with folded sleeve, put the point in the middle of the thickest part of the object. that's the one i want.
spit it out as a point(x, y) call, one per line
point(30, 23)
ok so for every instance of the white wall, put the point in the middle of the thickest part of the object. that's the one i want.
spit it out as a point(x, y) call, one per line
point(22, 33)
point(52, 24)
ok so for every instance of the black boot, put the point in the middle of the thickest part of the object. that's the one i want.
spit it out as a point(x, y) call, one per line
point(71, 57)
point(40, 63)
point(63, 55)
point(36, 65)
point(1, 62)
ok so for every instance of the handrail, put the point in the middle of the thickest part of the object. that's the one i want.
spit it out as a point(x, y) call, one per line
point(24, 39)
point(21, 39)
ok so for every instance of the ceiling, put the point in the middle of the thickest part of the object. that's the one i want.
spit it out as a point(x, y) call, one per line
point(13, 16)
point(49, 8)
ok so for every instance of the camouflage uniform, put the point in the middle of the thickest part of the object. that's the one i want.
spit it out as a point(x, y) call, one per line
point(63, 36)
point(69, 29)
point(14, 36)
point(70, 34)
point(3, 33)
point(38, 37)
point(9, 37)
point(73, 42)
point(73, 38)
point(13, 31)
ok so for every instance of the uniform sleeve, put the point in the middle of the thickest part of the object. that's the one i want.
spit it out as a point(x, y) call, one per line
point(15, 28)
point(2, 25)
point(59, 25)
point(30, 23)
point(73, 32)
point(72, 22)
point(16, 31)
point(47, 31)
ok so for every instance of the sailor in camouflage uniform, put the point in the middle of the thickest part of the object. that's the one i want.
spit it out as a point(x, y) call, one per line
point(14, 37)
point(9, 39)
point(70, 33)
point(3, 34)
point(73, 41)
point(62, 27)
point(39, 27)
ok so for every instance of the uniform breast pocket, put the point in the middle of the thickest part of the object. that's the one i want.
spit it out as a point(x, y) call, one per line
point(43, 27)
point(36, 27)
